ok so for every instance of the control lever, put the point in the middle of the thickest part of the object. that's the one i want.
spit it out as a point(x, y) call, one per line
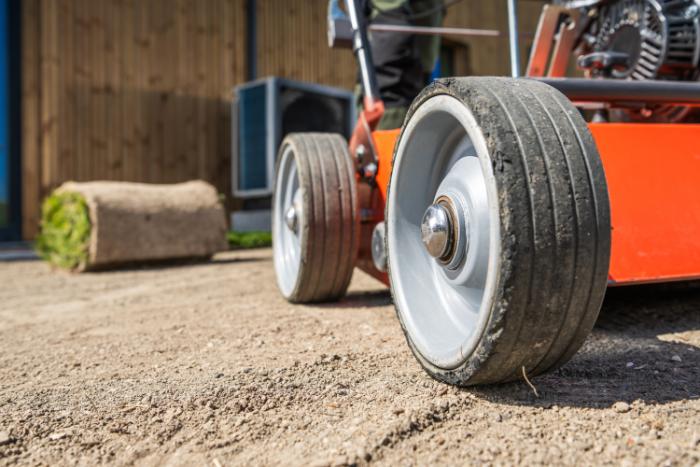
point(605, 62)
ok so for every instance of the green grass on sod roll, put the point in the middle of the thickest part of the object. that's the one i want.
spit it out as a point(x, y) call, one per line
point(240, 240)
point(65, 230)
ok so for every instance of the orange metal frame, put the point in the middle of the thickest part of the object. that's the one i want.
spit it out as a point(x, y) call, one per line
point(653, 175)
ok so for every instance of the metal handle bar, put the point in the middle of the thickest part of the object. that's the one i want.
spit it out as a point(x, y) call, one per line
point(433, 31)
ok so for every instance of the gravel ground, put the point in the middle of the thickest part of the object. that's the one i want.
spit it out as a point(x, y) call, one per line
point(207, 365)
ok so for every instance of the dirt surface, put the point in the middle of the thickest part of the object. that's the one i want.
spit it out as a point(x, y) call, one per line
point(207, 365)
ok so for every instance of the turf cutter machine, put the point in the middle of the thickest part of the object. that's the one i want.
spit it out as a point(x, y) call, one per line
point(503, 208)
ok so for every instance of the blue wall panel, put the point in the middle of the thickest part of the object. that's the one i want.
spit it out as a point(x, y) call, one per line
point(4, 117)
point(10, 127)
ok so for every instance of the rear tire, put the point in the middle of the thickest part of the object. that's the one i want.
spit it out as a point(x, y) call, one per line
point(524, 287)
point(315, 223)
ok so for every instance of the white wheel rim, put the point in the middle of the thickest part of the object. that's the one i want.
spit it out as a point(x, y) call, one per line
point(444, 305)
point(287, 241)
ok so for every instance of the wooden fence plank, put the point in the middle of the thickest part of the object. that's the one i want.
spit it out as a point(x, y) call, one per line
point(49, 69)
point(31, 104)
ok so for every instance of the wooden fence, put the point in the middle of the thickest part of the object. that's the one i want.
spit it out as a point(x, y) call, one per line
point(139, 90)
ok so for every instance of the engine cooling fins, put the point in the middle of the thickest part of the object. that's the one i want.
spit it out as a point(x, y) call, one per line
point(683, 33)
point(661, 37)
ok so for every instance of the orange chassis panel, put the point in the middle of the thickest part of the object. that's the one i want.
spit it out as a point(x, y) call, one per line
point(653, 175)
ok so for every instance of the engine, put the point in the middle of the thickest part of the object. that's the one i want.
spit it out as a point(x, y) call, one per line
point(641, 40)
point(660, 37)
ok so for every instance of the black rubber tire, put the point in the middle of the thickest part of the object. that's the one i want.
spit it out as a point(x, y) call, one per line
point(330, 227)
point(554, 224)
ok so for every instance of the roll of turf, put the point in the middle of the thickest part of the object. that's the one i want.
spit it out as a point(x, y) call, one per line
point(101, 225)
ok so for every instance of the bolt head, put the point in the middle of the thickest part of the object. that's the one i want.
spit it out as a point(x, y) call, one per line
point(379, 247)
point(436, 231)
point(290, 218)
point(370, 170)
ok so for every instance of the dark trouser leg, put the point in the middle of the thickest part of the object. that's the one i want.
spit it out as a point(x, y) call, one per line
point(403, 62)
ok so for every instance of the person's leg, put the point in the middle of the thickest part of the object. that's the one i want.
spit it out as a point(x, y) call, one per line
point(428, 46)
point(402, 61)
point(399, 69)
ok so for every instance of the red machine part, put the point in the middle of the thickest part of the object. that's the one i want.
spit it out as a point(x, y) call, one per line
point(372, 199)
point(653, 175)
point(384, 142)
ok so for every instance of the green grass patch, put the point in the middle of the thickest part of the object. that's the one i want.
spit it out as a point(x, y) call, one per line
point(65, 230)
point(238, 240)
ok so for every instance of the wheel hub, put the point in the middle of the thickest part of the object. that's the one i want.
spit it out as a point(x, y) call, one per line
point(290, 218)
point(444, 231)
point(442, 292)
point(437, 231)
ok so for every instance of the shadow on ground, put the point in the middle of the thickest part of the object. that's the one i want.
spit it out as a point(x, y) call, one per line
point(373, 299)
point(176, 263)
point(641, 348)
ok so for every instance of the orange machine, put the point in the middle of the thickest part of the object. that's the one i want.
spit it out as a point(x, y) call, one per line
point(653, 175)
point(504, 207)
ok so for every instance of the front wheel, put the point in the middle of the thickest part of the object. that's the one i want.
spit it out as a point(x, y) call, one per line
point(498, 229)
point(315, 223)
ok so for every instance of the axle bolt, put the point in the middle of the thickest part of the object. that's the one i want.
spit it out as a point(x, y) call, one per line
point(290, 218)
point(436, 231)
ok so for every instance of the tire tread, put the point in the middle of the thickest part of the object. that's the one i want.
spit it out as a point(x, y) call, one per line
point(330, 225)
